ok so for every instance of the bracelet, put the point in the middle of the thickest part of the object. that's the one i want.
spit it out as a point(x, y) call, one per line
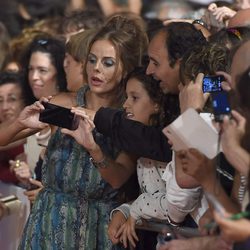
point(100, 164)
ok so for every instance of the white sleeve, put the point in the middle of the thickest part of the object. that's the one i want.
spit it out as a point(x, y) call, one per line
point(176, 203)
point(124, 209)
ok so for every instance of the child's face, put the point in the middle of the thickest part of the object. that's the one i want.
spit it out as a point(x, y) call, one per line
point(138, 105)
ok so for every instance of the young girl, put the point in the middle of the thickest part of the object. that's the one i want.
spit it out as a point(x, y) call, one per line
point(161, 197)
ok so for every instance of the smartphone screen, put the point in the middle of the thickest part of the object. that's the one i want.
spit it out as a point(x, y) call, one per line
point(212, 83)
point(58, 116)
point(221, 105)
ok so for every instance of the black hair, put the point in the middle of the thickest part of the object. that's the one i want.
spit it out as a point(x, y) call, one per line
point(180, 38)
point(153, 90)
point(7, 77)
point(153, 25)
point(56, 50)
point(45, 8)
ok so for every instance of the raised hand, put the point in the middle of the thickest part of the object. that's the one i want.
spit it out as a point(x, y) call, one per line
point(29, 117)
point(221, 14)
point(83, 134)
point(227, 84)
point(233, 131)
point(191, 94)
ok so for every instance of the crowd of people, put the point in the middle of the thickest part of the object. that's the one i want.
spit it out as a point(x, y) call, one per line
point(124, 76)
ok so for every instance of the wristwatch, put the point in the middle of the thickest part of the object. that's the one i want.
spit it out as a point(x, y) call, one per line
point(100, 164)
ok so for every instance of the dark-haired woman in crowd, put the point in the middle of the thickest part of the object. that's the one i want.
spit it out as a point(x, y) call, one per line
point(44, 75)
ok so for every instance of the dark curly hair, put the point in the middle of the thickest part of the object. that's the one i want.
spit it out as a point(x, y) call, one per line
point(206, 59)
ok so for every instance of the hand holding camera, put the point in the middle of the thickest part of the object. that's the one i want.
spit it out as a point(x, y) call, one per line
point(83, 134)
point(59, 116)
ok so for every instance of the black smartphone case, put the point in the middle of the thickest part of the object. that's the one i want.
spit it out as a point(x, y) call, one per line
point(59, 116)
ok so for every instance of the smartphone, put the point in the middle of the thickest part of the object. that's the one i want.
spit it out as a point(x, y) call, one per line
point(221, 105)
point(59, 116)
point(212, 83)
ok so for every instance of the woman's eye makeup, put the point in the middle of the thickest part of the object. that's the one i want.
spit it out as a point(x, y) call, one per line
point(91, 59)
point(108, 62)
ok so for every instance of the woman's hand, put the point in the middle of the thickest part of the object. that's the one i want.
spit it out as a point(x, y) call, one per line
point(29, 117)
point(83, 134)
point(31, 194)
point(21, 170)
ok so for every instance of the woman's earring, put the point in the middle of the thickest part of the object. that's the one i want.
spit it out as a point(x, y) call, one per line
point(157, 108)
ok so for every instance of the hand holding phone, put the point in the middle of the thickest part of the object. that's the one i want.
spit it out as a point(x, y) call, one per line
point(221, 106)
point(59, 116)
point(212, 83)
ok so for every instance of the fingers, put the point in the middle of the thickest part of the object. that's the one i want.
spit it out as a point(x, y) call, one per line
point(199, 79)
point(239, 118)
point(38, 106)
point(212, 7)
point(132, 237)
point(81, 113)
point(67, 131)
point(112, 235)
point(20, 168)
point(36, 182)
point(31, 195)
point(45, 99)
point(238, 122)
point(227, 84)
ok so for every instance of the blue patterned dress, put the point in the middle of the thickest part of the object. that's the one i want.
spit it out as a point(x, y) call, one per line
point(72, 211)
